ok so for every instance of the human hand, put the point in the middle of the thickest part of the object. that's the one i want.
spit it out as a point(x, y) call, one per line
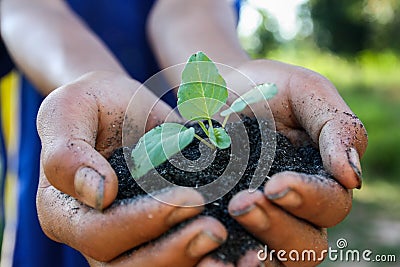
point(295, 208)
point(80, 124)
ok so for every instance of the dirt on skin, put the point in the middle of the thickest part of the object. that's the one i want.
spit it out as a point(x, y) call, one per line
point(287, 158)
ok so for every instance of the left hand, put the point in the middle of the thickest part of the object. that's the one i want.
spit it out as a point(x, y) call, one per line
point(295, 208)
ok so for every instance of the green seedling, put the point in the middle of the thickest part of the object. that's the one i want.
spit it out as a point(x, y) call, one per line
point(201, 95)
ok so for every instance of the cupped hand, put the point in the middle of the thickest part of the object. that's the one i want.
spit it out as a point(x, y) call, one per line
point(295, 209)
point(80, 124)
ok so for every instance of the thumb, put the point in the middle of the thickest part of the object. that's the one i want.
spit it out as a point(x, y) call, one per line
point(342, 141)
point(341, 136)
point(78, 170)
point(67, 125)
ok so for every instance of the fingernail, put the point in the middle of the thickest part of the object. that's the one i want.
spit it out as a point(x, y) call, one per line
point(254, 214)
point(354, 161)
point(179, 214)
point(287, 198)
point(242, 211)
point(279, 194)
point(203, 243)
point(89, 185)
point(180, 197)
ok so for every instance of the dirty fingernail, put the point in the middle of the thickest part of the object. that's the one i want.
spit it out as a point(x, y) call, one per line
point(254, 215)
point(203, 243)
point(243, 211)
point(180, 197)
point(354, 161)
point(89, 185)
point(287, 198)
point(179, 214)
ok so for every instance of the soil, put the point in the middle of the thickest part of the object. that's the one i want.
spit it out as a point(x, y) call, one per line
point(287, 158)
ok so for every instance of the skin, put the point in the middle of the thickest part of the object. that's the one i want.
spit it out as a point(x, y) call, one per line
point(80, 124)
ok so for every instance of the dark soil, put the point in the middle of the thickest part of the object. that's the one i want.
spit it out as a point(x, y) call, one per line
point(287, 158)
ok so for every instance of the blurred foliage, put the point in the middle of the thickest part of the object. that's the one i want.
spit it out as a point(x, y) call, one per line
point(267, 34)
point(341, 26)
point(349, 27)
point(267, 37)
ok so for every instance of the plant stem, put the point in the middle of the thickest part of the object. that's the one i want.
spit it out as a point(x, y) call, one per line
point(210, 125)
point(211, 146)
point(225, 121)
point(203, 127)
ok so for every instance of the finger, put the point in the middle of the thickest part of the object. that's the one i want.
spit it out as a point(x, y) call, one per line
point(250, 259)
point(79, 170)
point(254, 258)
point(183, 248)
point(318, 200)
point(210, 262)
point(276, 228)
point(79, 125)
point(124, 225)
point(341, 136)
point(342, 141)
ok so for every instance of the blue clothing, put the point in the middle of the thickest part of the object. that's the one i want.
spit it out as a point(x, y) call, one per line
point(121, 25)
point(3, 171)
point(6, 66)
point(5, 60)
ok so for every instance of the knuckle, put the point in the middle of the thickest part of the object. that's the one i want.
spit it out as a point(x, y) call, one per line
point(305, 76)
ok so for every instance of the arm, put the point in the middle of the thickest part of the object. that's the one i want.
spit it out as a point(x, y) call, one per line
point(178, 28)
point(50, 44)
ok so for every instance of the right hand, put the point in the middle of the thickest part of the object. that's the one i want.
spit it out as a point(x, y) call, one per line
point(80, 124)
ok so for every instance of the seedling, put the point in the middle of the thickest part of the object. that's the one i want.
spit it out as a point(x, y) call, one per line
point(201, 95)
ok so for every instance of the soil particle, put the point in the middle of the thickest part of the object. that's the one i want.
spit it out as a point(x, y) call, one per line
point(287, 158)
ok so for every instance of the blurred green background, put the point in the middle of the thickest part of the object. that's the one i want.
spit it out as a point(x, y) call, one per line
point(355, 44)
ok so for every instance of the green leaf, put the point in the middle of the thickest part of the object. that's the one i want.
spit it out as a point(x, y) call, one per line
point(219, 137)
point(203, 91)
point(258, 93)
point(159, 144)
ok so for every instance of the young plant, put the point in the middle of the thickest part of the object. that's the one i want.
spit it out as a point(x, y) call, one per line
point(201, 95)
